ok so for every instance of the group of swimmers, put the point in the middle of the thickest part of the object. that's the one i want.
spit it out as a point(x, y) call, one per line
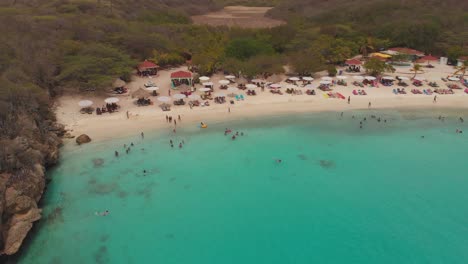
point(457, 131)
point(181, 144)
point(235, 135)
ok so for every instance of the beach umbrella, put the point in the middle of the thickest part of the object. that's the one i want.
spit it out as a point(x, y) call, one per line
point(274, 78)
point(370, 78)
point(194, 97)
point(360, 78)
point(341, 77)
point(325, 82)
point(420, 78)
point(307, 78)
point(164, 99)
point(251, 86)
point(223, 82)
point(291, 86)
point(326, 78)
point(204, 89)
point(258, 81)
point(455, 79)
point(388, 78)
point(119, 83)
point(111, 100)
point(294, 79)
point(85, 103)
point(309, 86)
point(179, 96)
point(153, 88)
point(207, 84)
point(403, 78)
point(204, 78)
point(242, 80)
point(275, 85)
point(219, 94)
point(140, 93)
point(230, 77)
point(232, 89)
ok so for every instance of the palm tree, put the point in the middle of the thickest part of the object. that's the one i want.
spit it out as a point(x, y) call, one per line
point(417, 68)
point(367, 46)
point(462, 69)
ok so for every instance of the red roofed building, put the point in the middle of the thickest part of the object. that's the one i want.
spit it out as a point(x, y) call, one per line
point(427, 59)
point(407, 51)
point(147, 68)
point(353, 62)
point(181, 77)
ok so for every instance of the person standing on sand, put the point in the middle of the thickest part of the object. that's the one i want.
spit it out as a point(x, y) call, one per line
point(167, 119)
point(369, 105)
point(178, 117)
point(127, 115)
point(435, 99)
point(175, 122)
point(142, 135)
point(229, 109)
point(349, 99)
point(169, 92)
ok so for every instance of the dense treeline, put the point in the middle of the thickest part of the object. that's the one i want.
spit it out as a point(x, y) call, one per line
point(432, 26)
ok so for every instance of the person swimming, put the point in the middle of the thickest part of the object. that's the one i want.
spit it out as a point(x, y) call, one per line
point(233, 137)
point(278, 161)
point(106, 212)
point(180, 145)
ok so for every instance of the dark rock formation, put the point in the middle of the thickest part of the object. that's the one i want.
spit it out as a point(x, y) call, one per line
point(82, 139)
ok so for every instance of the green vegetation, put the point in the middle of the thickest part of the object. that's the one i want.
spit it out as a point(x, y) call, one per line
point(376, 67)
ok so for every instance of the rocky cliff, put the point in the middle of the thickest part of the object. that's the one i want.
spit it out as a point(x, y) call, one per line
point(23, 160)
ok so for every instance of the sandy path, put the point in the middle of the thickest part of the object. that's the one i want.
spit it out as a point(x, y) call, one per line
point(240, 16)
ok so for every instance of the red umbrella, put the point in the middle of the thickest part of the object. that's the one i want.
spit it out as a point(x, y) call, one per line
point(353, 62)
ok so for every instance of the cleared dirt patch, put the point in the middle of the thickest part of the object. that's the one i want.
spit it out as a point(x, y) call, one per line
point(238, 16)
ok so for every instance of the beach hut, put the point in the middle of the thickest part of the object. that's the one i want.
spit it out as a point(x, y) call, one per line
point(181, 77)
point(147, 68)
point(242, 81)
point(274, 78)
point(118, 83)
point(140, 93)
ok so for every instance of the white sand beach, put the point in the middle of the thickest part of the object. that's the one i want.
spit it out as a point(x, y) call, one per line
point(146, 118)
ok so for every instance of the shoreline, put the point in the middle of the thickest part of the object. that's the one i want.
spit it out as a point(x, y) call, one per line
point(151, 118)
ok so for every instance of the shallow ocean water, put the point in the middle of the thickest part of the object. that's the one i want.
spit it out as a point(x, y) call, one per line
point(341, 194)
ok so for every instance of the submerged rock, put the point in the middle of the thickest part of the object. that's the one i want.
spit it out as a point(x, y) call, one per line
point(83, 139)
point(98, 162)
point(327, 164)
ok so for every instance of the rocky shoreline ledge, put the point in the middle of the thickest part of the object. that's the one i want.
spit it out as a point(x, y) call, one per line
point(24, 160)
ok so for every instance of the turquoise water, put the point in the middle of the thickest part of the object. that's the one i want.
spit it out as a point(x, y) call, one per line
point(380, 194)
